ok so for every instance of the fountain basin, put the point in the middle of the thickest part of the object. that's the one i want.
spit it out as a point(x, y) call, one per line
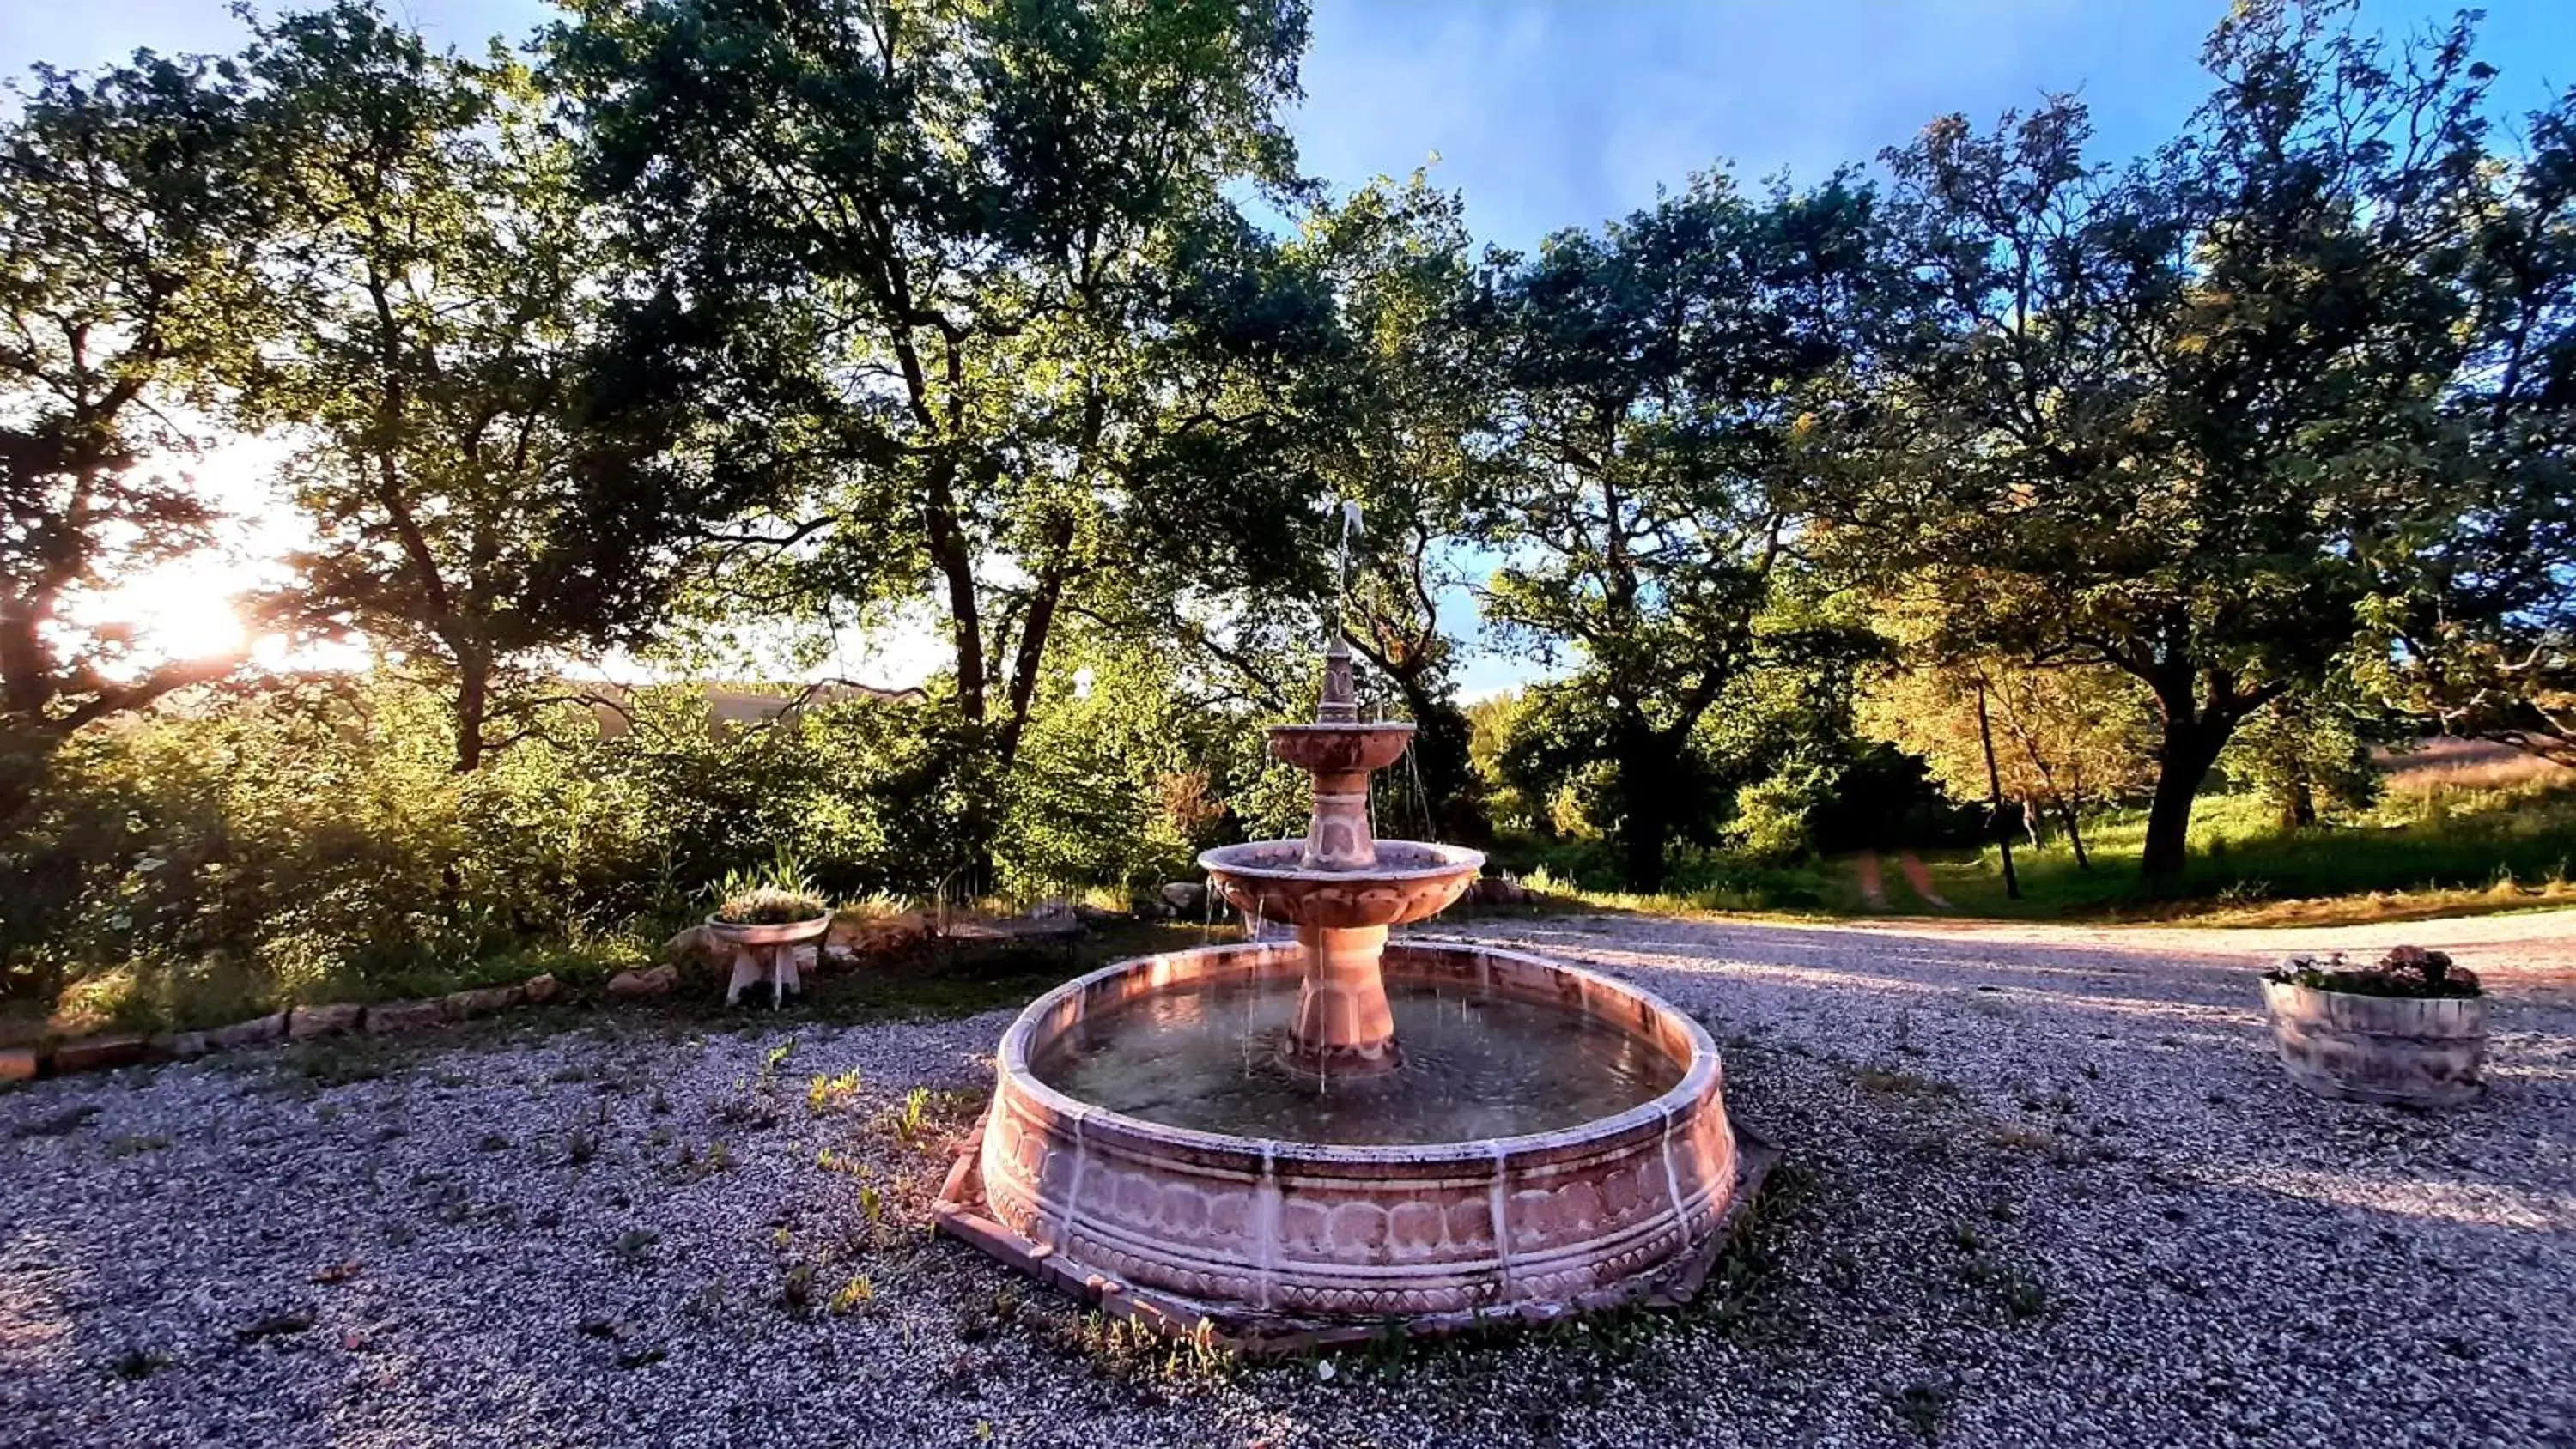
point(1253, 1233)
point(1411, 881)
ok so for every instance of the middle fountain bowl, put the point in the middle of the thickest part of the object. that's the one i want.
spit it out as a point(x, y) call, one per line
point(1412, 881)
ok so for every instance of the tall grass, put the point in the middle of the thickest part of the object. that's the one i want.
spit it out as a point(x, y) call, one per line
point(2486, 835)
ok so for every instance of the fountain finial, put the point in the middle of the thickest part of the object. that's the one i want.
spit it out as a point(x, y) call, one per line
point(1341, 701)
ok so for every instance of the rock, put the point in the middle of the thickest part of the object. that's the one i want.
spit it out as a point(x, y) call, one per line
point(480, 1001)
point(1499, 890)
point(305, 1023)
point(1186, 896)
point(178, 1046)
point(697, 949)
point(101, 1053)
point(254, 1032)
point(19, 1064)
point(877, 935)
point(396, 1016)
point(540, 989)
point(658, 981)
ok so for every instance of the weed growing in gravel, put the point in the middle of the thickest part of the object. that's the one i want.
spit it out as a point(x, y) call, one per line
point(1883, 1083)
point(322, 1065)
point(1921, 1406)
point(796, 1288)
point(137, 1364)
point(633, 1244)
point(831, 1094)
point(582, 1139)
point(912, 1119)
point(129, 1146)
point(854, 1295)
point(2021, 1296)
point(61, 1124)
point(1129, 1351)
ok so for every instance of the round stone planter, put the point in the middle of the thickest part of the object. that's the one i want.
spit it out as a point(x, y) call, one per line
point(2390, 1050)
point(767, 953)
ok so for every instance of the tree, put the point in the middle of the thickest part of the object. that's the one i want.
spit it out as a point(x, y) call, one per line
point(1652, 379)
point(2066, 739)
point(2305, 755)
point(127, 231)
point(2169, 419)
point(1398, 435)
point(2474, 622)
point(487, 496)
point(1005, 338)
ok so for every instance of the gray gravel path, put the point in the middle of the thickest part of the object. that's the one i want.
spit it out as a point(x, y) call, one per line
point(2043, 1188)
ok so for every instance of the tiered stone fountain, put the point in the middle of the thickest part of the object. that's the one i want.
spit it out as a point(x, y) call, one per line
point(1294, 1143)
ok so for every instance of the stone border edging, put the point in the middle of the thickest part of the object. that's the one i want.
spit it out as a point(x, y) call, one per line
point(105, 1051)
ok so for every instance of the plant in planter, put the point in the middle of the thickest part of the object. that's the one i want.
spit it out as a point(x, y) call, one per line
point(2411, 1030)
point(766, 916)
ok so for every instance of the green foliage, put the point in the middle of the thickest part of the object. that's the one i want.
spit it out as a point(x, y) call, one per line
point(486, 492)
point(1654, 377)
point(2241, 344)
point(2309, 757)
point(129, 238)
point(968, 286)
point(1775, 816)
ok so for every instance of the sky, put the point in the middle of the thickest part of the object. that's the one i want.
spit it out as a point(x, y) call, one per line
point(1555, 113)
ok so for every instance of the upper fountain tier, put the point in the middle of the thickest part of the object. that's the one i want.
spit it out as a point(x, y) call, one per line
point(1340, 876)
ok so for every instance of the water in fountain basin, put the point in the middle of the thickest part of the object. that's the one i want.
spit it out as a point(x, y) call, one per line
point(1474, 1067)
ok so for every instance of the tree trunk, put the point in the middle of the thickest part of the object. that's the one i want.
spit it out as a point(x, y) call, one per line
point(2299, 800)
point(1440, 753)
point(1648, 782)
point(1995, 796)
point(1642, 837)
point(473, 706)
point(2190, 747)
point(2075, 835)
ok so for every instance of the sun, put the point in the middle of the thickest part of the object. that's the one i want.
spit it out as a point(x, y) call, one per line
point(182, 611)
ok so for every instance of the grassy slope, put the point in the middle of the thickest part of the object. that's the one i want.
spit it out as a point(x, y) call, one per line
point(2457, 832)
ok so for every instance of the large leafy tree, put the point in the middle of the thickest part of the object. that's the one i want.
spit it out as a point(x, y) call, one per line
point(1400, 432)
point(977, 262)
point(2176, 416)
point(2475, 622)
point(127, 229)
point(488, 498)
point(1654, 381)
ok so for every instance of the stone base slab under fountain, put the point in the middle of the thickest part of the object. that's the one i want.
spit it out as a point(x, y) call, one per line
point(1275, 1245)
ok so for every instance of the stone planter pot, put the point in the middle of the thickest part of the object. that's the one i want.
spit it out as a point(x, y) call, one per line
point(768, 953)
point(2390, 1050)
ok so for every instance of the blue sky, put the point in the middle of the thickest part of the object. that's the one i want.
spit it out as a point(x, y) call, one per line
point(1554, 113)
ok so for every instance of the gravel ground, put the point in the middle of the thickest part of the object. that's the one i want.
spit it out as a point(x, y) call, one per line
point(2041, 1189)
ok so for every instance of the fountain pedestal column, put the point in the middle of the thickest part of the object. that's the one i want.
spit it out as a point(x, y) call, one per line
point(1343, 1025)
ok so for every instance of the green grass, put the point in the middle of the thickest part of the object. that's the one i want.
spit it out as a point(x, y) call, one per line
point(2412, 857)
point(2433, 846)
